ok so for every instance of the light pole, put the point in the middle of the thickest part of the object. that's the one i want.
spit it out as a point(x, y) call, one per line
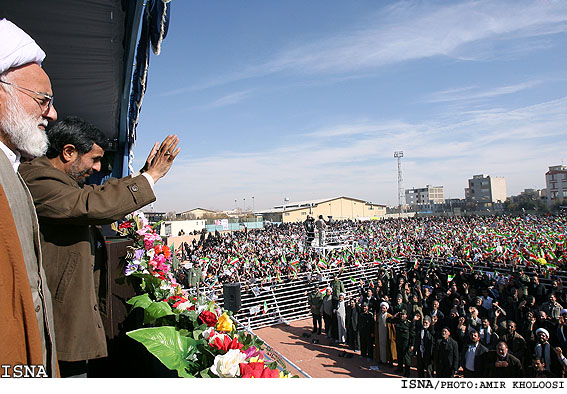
point(235, 206)
point(253, 204)
point(398, 155)
point(244, 205)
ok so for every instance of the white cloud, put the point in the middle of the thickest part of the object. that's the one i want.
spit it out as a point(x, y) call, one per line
point(357, 160)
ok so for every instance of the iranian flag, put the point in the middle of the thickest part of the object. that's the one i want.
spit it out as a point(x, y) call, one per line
point(322, 264)
point(265, 310)
point(233, 261)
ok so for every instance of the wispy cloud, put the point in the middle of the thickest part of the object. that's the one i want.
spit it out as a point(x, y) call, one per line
point(229, 99)
point(409, 31)
point(476, 93)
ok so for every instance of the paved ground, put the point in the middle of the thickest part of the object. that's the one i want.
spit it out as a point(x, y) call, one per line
point(319, 360)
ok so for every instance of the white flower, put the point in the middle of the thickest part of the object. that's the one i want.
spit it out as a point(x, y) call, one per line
point(151, 253)
point(201, 308)
point(207, 333)
point(227, 365)
point(184, 306)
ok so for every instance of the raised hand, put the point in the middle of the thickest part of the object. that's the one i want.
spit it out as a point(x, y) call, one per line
point(161, 159)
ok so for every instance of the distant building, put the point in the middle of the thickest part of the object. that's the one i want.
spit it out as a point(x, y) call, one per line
point(425, 197)
point(154, 217)
point(339, 208)
point(486, 192)
point(195, 213)
point(556, 183)
point(174, 228)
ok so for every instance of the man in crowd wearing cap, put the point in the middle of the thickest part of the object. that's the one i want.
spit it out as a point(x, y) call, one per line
point(423, 347)
point(315, 301)
point(73, 247)
point(26, 100)
point(553, 358)
point(446, 355)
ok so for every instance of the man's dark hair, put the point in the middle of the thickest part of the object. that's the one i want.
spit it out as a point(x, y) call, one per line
point(76, 131)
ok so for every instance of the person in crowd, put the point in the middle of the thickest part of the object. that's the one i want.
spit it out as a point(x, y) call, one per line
point(71, 244)
point(446, 355)
point(327, 308)
point(26, 107)
point(423, 347)
point(501, 364)
point(537, 369)
point(472, 359)
point(366, 332)
point(385, 335)
point(553, 358)
point(552, 308)
point(352, 314)
point(404, 341)
point(488, 338)
point(340, 313)
point(315, 301)
point(516, 343)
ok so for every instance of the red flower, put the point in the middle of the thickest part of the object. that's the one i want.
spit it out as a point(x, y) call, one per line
point(166, 251)
point(125, 225)
point(209, 318)
point(257, 370)
point(226, 343)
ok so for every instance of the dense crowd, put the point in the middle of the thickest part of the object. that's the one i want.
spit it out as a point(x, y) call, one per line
point(447, 322)
point(279, 253)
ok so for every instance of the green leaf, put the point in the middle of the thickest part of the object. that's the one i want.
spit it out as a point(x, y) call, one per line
point(141, 301)
point(168, 346)
point(156, 310)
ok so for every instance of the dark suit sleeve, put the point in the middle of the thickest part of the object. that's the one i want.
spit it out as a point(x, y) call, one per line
point(455, 352)
point(58, 197)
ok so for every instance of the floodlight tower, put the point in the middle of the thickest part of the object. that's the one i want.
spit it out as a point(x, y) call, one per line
point(398, 155)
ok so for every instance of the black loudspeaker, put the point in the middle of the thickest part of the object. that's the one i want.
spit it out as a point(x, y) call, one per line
point(231, 294)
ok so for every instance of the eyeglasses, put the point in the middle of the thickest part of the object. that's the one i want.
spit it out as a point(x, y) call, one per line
point(46, 103)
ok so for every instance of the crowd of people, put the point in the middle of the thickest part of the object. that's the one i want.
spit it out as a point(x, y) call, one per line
point(457, 317)
point(279, 253)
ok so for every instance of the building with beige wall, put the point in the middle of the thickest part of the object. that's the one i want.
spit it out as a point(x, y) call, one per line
point(196, 213)
point(339, 208)
point(484, 191)
point(172, 228)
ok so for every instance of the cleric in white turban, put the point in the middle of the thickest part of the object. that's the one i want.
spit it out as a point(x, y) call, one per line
point(17, 47)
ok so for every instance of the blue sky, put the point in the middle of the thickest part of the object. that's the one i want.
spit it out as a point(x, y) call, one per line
point(309, 99)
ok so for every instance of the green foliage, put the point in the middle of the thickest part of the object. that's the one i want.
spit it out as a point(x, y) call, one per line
point(175, 351)
point(156, 310)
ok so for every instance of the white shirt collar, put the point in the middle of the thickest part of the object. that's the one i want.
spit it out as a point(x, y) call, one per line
point(13, 157)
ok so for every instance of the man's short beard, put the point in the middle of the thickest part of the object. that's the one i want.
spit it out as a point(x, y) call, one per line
point(77, 174)
point(23, 130)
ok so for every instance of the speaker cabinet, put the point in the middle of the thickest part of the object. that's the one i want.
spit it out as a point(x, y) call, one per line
point(231, 294)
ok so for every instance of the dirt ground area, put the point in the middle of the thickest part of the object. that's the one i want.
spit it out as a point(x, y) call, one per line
point(320, 360)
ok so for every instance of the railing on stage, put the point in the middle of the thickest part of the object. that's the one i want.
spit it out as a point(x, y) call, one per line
point(333, 239)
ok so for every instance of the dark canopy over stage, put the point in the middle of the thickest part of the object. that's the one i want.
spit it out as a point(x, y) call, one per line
point(90, 47)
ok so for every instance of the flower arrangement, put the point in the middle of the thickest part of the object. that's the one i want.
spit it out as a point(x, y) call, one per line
point(190, 335)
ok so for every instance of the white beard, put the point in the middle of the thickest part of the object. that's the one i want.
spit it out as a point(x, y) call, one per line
point(23, 130)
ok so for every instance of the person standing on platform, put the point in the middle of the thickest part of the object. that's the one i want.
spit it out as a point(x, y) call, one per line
point(309, 226)
point(71, 243)
point(321, 228)
point(26, 106)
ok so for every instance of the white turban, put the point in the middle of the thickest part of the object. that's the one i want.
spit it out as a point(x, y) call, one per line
point(542, 330)
point(17, 47)
point(384, 303)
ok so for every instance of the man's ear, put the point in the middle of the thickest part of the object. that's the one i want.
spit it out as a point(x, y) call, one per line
point(69, 153)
